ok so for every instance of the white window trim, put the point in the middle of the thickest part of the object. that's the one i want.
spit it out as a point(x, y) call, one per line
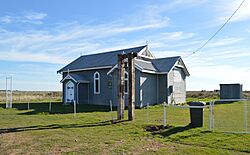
point(126, 79)
point(99, 83)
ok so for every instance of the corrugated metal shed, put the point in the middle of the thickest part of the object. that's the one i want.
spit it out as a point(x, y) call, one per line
point(231, 91)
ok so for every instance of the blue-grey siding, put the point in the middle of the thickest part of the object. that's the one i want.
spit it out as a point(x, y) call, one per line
point(115, 88)
point(105, 92)
point(85, 92)
point(148, 89)
point(162, 92)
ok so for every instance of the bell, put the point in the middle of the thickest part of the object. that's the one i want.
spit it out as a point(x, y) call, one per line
point(125, 64)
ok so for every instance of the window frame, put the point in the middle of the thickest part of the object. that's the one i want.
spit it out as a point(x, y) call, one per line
point(98, 83)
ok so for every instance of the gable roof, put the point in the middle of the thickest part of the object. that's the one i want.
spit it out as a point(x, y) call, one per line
point(76, 78)
point(161, 65)
point(109, 60)
point(165, 64)
point(99, 60)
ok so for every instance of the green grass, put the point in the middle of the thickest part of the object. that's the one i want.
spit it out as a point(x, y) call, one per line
point(207, 100)
point(37, 131)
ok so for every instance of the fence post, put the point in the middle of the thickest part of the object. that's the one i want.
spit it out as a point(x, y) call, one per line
point(50, 103)
point(165, 115)
point(111, 110)
point(213, 115)
point(28, 103)
point(74, 108)
point(245, 113)
point(210, 115)
point(11, 85)
point(147, 114)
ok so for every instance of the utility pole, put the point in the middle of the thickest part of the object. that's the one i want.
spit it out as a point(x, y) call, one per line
point(131, 97)
point(121, 71)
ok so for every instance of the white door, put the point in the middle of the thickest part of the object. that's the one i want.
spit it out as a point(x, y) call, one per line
point(69, 91)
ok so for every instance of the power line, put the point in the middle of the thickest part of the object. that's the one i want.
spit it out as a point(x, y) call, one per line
point(203, 45)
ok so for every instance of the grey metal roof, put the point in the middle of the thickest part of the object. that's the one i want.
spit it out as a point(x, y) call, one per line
point(76, 78)
point(109, 59)
point(146, 65)
point(165, 64)
point(161, 65)
point(79, 78)
point(99, 59)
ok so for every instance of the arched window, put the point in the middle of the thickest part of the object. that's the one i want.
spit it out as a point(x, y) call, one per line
point(126, 83)
point(97, 83)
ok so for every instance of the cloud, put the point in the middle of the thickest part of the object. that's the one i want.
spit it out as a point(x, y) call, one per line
point(242, 14)
point(61, 44)
point(176, 5)
point(33, 57)
point(224, 41)
point(6, 19)
point(35, 16)
point(221, 10)
point(3, 30)
point(213, 75)
point(29, 17)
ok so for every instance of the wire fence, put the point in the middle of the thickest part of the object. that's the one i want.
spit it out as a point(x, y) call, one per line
point(230, 115)
point(166, 115)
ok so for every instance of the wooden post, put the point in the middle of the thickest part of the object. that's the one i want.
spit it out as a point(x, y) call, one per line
point(28, 103)
point(111, 111)
point(74, 108)
point(50, 102)
point(121, 71)
point(131, 99)
point(164, 115)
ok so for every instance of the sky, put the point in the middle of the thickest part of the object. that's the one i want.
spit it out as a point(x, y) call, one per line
point(38, 37)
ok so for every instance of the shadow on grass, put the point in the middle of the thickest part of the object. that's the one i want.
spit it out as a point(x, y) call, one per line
point(56, 108)
point(168, 130)
point(174, 130)
point(58, 126)
point(200, 138)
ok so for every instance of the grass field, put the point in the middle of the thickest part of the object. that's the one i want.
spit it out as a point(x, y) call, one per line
point(37, 131)
point(41, 96)
point(34, 96)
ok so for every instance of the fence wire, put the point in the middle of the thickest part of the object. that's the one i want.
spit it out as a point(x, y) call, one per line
point(231, 116)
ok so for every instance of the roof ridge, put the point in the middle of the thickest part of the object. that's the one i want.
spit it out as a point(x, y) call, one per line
point(113, 51)
point(147, 61)
point(167, 57)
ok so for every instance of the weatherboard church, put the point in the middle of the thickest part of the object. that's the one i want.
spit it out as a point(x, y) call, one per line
point(93, 79)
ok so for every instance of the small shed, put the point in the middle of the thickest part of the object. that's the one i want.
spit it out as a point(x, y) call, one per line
point(231, 91)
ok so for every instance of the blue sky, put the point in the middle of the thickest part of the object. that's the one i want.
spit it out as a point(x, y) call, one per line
point(39, 37)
